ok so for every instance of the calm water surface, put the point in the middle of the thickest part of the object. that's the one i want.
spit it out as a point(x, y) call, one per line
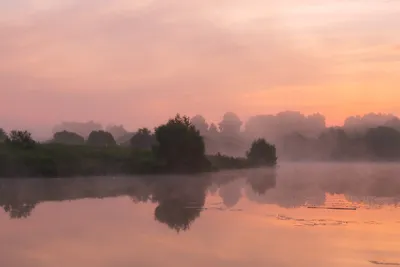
point(298, 215)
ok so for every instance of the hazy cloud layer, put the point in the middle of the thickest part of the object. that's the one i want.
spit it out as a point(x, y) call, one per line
point(139, 62)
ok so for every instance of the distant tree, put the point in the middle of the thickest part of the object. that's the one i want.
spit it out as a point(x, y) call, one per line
point(383, 143)
point(262, 153)
point(334, 143)
point(101, 138)
point(393, 123)
point(3, 135)
point(367, 121)
point(200, 123)
point(230, 124)
point(68, 138)
point(81, 128)
point(21, 139)
point(117, 131)
point(213, 130)
point(143, 139)
point(125, 140)
point(211, 140)
point(180, 146)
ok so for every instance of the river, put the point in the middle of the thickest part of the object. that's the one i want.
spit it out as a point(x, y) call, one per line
point(308, 214)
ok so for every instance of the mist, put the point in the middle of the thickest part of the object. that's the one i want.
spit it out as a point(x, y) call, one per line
point(297, 136)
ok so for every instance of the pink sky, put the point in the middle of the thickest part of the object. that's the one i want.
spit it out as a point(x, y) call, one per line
point(139, 62)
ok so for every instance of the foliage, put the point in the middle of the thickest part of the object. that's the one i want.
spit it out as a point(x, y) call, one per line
point(222, 162)
point(142, 140)
point(3, 135)
point(117, 131)
point(81, 128)
point(262, 153)
point(21, 139)
point(68, 138)
point(180, 146)
point(383, 143)
point(101, 139)
point(60, 160)
point(200, 123)
point(230, 124)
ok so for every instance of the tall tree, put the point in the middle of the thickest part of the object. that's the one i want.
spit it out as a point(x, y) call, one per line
point(180, 146)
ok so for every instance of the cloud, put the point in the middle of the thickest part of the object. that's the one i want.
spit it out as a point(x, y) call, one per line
point(159, 42)
point(164, 56)
point(167, 54)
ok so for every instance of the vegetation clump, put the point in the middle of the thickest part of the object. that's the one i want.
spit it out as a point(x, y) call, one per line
point(68, 138)
point(101, 139)
point(21, 139)
point(262, 153)
point(180, 146)
point(174, 147)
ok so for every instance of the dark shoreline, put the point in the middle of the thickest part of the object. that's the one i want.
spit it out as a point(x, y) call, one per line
point(71, 161)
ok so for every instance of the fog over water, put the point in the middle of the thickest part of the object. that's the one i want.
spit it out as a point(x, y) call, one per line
point(299, 214)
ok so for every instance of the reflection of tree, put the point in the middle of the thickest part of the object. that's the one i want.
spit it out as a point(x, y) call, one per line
point(231, 193)
point(181, 200)
point(177, 214)
point(19, 210)
point(260, 183)
point(13, 202)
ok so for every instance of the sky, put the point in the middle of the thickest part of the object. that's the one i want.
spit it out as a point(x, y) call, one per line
point(140, 62)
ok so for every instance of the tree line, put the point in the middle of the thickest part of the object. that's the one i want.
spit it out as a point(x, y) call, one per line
point(174, 147)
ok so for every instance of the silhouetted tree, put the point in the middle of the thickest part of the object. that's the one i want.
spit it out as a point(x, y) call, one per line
point(334, 143)
point(200, 123)
point(81, 128)
point(262, 153)
point(21, 139)
point(143, 139)
point(3, 135)
point(68, 138)
point(101, 138)
point(180, 146)
point(383, 143)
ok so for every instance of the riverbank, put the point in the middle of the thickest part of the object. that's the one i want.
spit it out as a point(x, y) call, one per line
point(58, 160)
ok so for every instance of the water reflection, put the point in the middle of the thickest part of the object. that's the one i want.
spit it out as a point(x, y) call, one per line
point(180, 200)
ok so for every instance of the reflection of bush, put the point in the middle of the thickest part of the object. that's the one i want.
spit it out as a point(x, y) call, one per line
point(181, 200)
point(177, 214)
point(19, 210)
point(262, 182)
